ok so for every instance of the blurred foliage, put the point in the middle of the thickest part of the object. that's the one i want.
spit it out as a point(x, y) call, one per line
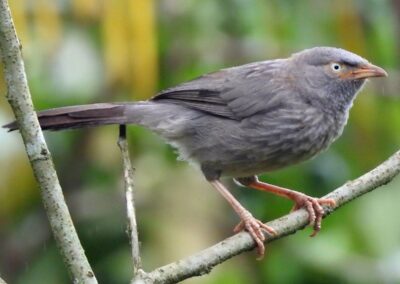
point(83, 51)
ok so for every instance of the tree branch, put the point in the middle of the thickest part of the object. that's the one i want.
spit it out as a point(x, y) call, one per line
point(202, 262)
point(2, 281)
point(130, 204)
point(39, 156)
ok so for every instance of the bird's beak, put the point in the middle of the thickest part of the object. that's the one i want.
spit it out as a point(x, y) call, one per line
point(367, 70)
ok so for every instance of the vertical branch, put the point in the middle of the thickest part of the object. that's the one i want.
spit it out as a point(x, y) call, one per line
point(130, 204)
point(39, 156)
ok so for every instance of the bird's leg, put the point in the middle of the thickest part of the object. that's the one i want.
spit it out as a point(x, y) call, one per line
point(311, 204)
point(252, 225)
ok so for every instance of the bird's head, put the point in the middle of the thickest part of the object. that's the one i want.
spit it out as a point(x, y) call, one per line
point(333, 73)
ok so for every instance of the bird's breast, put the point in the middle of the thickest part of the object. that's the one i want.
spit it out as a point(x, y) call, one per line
point(271, 146)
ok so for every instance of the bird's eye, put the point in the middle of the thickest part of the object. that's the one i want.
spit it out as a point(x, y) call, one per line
point(336, 67)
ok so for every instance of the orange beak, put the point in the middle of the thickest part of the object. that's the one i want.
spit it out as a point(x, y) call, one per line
point(367, 71)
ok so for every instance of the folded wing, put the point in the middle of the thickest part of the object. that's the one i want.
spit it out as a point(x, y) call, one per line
point(232, 93)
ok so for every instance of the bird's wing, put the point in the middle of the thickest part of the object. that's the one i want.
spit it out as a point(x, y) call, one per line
point(234, 93)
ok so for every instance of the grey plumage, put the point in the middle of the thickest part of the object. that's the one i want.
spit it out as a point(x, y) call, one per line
point(245, 120)
point(242, 120)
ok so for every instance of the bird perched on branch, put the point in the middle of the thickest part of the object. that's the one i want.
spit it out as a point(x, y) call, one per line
point(242, 121)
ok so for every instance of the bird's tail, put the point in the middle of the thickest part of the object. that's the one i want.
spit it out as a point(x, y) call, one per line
point(80, 116)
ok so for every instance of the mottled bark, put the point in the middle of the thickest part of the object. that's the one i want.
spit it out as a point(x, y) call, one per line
point(19, 97)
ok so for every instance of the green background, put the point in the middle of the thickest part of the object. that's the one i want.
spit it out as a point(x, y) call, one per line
point(94, 51)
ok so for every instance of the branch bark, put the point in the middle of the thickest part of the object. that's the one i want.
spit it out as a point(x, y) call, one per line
point(39, 156)
point(202, 262)
point(130, 204)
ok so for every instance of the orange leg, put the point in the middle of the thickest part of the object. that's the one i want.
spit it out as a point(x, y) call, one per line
point(253, 226)
point(311, 204)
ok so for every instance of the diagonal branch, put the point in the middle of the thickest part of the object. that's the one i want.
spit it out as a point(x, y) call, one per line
point(202, 262)
point(39, 156)
point(130, 204)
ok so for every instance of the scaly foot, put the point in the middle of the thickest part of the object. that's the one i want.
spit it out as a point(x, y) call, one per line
point(313, 207)
point(311, 204)
point(255, 228)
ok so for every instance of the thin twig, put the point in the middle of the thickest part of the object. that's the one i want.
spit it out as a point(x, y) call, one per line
point(130, 203)
point(39, 156)
point(202, 262)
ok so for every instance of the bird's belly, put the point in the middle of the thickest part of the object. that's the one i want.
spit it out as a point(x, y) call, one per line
point(245, 163)
point(231, 149)
point(264, 155)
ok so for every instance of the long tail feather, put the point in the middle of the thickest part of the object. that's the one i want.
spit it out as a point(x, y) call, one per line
point(79, 116)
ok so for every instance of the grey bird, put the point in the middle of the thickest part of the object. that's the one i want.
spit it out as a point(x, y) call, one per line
point(242, 121)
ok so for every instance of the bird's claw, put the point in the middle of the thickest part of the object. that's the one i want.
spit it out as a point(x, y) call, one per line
point(314, 208)
point(255, 228)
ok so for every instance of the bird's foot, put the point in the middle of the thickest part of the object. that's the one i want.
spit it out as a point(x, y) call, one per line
point(313, 207)
point(256, 229)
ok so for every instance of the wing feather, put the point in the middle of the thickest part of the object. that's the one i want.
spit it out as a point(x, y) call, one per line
point(233, 93)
